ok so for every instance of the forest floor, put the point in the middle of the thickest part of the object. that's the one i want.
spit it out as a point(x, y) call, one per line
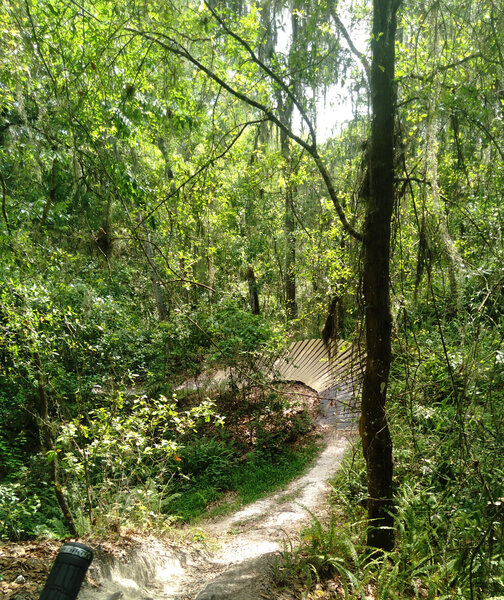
point(236, 556)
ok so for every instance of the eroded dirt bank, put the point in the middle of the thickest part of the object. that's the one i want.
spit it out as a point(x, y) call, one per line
point(230, 558)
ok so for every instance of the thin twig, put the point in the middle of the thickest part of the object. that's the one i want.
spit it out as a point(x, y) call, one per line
point(4, 204)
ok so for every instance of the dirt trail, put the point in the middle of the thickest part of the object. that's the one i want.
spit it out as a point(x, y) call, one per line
point(236, 559)
point(232, 560)
point(240, 549)
point(251, 538)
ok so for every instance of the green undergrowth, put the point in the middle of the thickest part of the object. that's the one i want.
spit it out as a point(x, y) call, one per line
point(141, 463)
point(226, 481)
point(447, 426)
point(266, 441)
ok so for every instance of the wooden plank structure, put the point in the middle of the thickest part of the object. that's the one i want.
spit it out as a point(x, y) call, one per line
point(334, 371)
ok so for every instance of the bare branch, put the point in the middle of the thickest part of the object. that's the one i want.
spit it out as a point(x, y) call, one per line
point(174, 47)
point(278, 80)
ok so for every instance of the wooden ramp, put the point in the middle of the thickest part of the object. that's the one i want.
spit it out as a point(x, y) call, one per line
point(334, 372)
point(320, 367)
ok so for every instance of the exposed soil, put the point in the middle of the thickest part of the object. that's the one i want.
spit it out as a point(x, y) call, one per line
point(232, 557)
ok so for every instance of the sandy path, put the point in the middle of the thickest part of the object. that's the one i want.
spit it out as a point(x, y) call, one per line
point(252, 537)
point(244, 545)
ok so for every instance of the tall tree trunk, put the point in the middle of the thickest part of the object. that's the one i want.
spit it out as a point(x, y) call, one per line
point(423, 257)
point(290, 257)
point(286, 111)
point(157, 287)
point(104, 239)
point(376, 439)
point(334, 324)
point(289, 219)
point(4, 204)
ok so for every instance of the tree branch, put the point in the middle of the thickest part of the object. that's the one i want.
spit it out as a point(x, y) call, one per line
point(207, 164)
point(38, 47)
point(360, 55)
point(278, 80)
point(179, 278)
point(176, 48)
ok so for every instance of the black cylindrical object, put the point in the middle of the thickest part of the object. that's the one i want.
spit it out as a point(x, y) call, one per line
point(68, 572)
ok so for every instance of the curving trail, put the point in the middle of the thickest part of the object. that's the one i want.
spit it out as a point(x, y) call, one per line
point(245, 545)
point(241, 549)
point(251, 539)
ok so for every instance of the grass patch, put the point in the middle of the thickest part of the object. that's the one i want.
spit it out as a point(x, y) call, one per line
point(259, 476)
point(238, 482)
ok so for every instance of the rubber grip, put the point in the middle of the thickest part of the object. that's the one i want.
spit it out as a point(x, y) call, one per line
point(68, 572)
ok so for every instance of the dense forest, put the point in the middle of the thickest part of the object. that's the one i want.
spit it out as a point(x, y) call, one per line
point(191, 185)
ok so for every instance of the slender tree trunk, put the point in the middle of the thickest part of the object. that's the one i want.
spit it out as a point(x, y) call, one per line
point(286, 110)
point(376, 439)
point(104, 239)
point(289, 224)
point(157, 288)
point(290, 257)
point(47, 443)
point(422, 257)
point(4, 204)
point(253, 295)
